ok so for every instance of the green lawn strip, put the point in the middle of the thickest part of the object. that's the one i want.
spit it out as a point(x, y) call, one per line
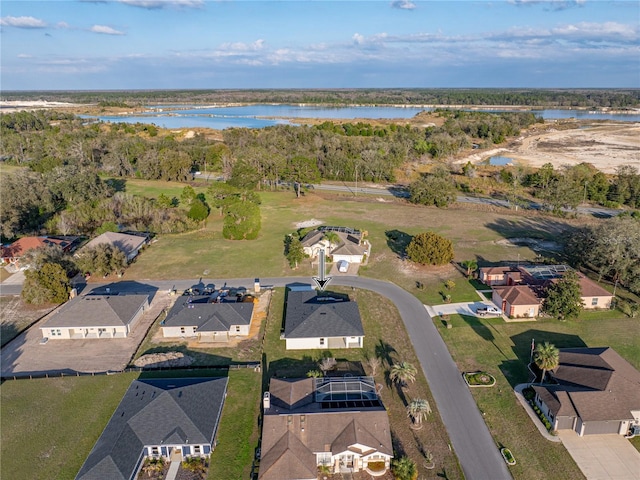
point(384, 332)
point(49, 426)
point(153, 188)
point(635, 441)
point(503, 349)
point(238, 433)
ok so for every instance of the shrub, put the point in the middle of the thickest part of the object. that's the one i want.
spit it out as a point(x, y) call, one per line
point(429, 248)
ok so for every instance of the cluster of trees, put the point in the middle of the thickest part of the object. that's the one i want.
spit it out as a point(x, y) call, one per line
point(374, 96)
point(241, 210)
point(563, 299)
point(610, 248)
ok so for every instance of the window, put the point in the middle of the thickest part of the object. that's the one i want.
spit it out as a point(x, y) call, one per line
point(196, 449)
point(155, 451)
point(322, 341)
point(182, 330)
point(194, 329)
point(55, 332)
point(594, 301)
point(237, 328)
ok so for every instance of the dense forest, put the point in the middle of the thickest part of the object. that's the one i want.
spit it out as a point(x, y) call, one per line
point(565, 98)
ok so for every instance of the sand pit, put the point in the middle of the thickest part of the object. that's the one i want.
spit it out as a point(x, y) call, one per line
point(604, 145)
point(308, 223)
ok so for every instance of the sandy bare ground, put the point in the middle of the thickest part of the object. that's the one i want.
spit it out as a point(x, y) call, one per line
point(605, 146)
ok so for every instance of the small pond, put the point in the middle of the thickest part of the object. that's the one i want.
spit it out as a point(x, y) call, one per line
point(499, 160)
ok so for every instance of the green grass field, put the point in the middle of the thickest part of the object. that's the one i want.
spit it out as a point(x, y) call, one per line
point(49, 426)
point(503, 350)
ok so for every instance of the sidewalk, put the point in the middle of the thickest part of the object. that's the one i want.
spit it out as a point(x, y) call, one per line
point(527, 408)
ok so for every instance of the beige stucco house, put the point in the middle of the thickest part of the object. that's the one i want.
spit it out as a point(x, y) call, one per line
point(338, 423)
point(350, 247)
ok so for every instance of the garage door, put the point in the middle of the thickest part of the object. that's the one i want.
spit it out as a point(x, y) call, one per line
point(593, 428)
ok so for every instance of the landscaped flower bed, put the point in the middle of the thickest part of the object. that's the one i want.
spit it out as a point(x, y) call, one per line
point(529, 395)
point(508, 456)
point(479, 379)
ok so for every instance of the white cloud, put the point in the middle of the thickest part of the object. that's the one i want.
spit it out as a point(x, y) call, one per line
point(552, 4)
point(24, 55)
point(104, 29)
point(403, 4)
point(62, 25)
point(358, 39)
point(243, 47)
point(158, 4)
point(22, 22)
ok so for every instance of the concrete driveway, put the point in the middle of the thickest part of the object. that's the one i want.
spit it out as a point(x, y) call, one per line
point(25, 355)
point(464, 308)
point(603, 457)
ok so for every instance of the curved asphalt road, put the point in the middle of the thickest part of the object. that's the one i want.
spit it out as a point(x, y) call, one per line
point(476, 450)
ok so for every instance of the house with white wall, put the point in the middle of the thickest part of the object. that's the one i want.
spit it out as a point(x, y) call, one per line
point(315, 321)
point(335, 422)
point(351, 246)
point(168, 417)
point(96, 316)
point(196, 317)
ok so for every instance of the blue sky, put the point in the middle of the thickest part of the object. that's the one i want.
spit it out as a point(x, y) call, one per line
point(174, 44)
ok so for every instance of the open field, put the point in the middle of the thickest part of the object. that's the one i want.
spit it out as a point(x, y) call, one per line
point(503, 350)
point(42, 419)
point(385, 337)
point(49, 426)
point(16, 315)
point(475, 235)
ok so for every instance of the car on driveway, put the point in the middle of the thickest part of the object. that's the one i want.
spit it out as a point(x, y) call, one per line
point(486, 310)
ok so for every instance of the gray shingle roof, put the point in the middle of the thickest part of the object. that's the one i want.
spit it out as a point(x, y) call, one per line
point(309, 317)
point(152, 412)
point(208, 317)
point(97, 311)
point(598, 382)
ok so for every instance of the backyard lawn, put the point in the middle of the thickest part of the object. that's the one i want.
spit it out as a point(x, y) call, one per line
point(503, 350)
point(49, 426)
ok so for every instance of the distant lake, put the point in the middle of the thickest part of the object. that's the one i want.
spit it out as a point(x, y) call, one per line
point(259, 115)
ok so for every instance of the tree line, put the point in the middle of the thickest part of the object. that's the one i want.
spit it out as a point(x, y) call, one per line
point(586, 98)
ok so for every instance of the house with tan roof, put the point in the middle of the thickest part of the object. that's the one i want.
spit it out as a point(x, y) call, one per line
point(519, 290)
point(351, 246)
point(338, 423)
point(130, 244)
point(592, 391)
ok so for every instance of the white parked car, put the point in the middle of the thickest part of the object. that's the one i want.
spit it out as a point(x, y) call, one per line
point(343, 266)
point(488, 310)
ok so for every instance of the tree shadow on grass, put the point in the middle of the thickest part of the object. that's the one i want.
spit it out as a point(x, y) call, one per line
point(385, 352)
point(483, 331)
point(398, 241)
point(516, 371)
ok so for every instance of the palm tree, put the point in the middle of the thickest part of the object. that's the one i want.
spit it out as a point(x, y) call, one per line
point(546, 356)
point(419, 409)
point(470, 265)
point(405, 469)
point(333, 238)
point(403, 372)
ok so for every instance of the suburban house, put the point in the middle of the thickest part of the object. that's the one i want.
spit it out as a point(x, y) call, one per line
point(174, 418)
point(325, 322)
point(593, 391)
point(11, 254)
point(350, 246)
point(96, 316)
point(201, 318)
point(519, 291)
point(338, 423)
point(517, 300)
point(130, 244)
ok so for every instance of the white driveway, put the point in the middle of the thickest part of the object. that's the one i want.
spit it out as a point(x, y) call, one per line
point(603, 457)
point(15, 279)
point(464, 308)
